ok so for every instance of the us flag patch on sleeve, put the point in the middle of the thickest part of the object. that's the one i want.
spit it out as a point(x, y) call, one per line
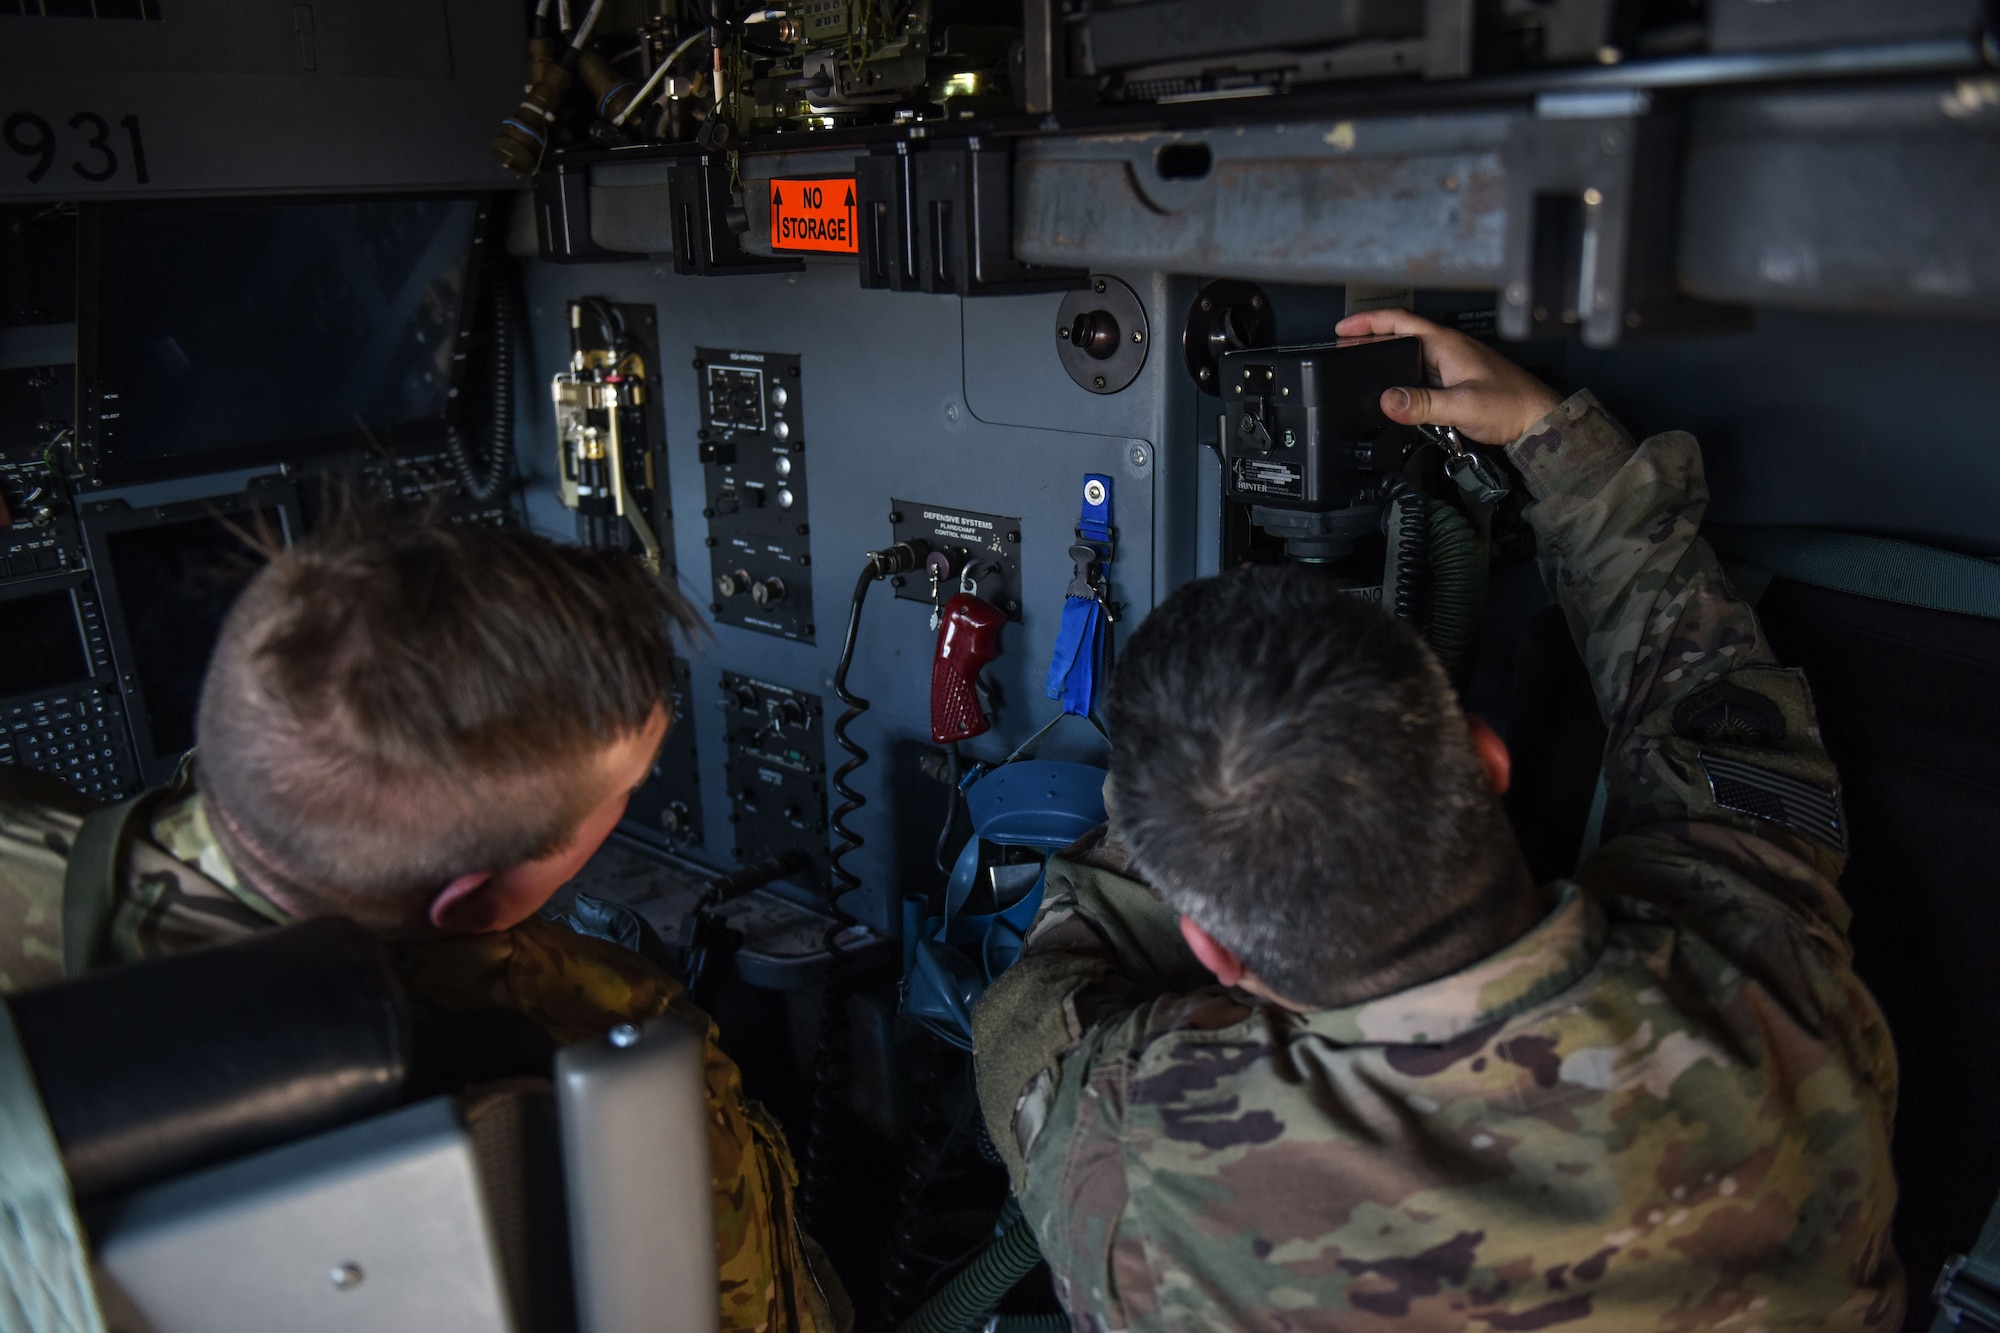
point(1807, 807)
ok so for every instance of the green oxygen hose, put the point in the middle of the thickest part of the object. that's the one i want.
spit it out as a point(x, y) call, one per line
point(1458, 589)
point(975, 1289)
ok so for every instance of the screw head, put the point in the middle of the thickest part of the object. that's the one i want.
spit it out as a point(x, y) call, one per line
point(1013, 534)
point(708, 541)
point(1063, 334)
point(623, 1036)
point(1207, 304)
point(1206, 374)
point(1138, 336)
point(1098, 286)
point(1097, 381)
point(1139, 455)
point(895, 516)
point(708, 513)
point(346, 1277)
point(1256, 303)
point(1012, 607)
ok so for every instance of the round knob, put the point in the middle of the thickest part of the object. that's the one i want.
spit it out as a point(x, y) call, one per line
point(781, 429)
point(782, 465)
point(784, 498)
point(791, 715)
point(779, 397)
point(727, 585)
point(768, 593)
point(746, 698)
point(1095, 332)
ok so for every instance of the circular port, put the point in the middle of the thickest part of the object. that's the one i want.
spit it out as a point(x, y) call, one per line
point(1103, 335)
point(1095, 332)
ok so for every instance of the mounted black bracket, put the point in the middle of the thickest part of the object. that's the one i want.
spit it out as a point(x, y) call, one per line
point(562, 217)
point(1592, 185)
point(940, 218)
point(706, 210)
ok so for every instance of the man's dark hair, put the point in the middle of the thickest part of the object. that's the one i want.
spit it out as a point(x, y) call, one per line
point(394, 702)
point(1291, 770)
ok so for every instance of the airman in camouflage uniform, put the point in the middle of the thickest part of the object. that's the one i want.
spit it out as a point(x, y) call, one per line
point(177, 892)
point(1667, 1106)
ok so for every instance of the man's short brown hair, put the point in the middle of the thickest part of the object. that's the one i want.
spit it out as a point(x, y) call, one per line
point(395, 702)
point(1292, 771)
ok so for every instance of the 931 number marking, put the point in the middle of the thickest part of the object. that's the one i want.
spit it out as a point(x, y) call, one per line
point(92, 142)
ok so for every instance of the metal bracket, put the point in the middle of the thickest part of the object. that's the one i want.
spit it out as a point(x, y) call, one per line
point(1962, 1293)
point(1591, 184)
point(562, 217)
point(705, 241)
point(941, 219)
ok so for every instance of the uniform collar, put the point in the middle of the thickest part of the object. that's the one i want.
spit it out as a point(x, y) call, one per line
point(182, 830)
point(1544, 962)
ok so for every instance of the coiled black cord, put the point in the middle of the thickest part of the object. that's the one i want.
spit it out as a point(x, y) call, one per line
point(898, 559)
point(850, 799)
point(489, 478)
point(1413, 570)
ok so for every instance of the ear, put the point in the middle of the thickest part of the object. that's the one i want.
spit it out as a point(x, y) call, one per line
point(461, 907)
point(1493, 755)
point(1217, 958)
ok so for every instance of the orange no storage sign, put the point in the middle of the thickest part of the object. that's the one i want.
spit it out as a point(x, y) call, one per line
point(814, 215)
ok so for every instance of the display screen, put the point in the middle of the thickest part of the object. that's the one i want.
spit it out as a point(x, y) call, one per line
point(175, 582)
point(233, 334)
point(44, 643)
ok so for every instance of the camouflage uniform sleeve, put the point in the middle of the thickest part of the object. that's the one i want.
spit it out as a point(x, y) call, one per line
point(1102, 945)
point(1714, 753)
point(38, 821)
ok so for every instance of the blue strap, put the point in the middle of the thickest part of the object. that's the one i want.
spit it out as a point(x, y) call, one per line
point(1080, 640)
point(1073, 669)
point(1095, 523)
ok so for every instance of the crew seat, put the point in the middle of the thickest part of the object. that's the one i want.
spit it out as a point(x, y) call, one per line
point(261, 1136)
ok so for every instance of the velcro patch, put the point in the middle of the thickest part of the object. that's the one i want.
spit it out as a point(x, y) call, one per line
point(1807, 807)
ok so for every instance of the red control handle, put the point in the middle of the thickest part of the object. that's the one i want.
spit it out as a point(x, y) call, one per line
point(967, 640)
